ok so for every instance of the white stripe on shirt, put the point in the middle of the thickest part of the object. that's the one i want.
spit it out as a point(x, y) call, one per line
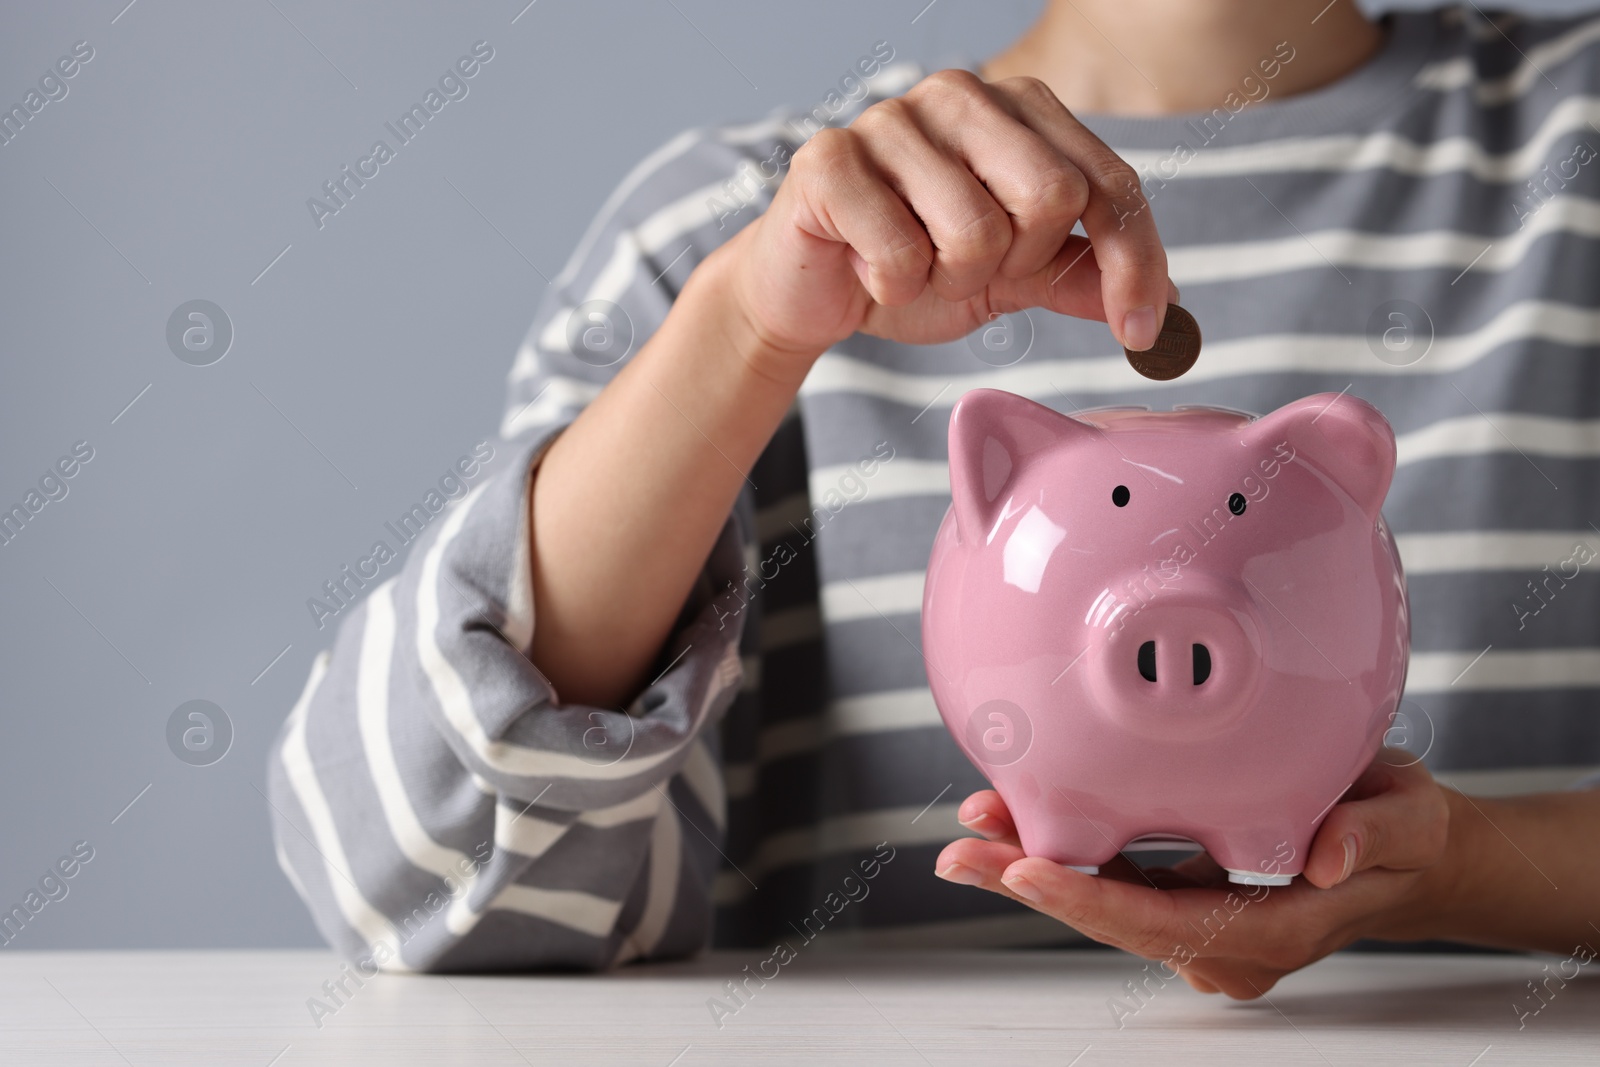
point(571, 908)
point(1541, 668)
point(1494, 431)
point(372, 926)
point(1344, 153)
point(1432, 249)
point(661, 893)
point(1262, 355)
point(1460, 72)
point(372, 718)
point(1494, 550)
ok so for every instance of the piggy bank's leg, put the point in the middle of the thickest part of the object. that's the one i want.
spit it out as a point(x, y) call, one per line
point(1261, 855)
point(1073, 842)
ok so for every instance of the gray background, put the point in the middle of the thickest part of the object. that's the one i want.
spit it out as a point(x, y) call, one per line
point(365, 361)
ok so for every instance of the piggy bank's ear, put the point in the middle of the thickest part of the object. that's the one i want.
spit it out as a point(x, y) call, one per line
point(993, 437)
point(1342, 436)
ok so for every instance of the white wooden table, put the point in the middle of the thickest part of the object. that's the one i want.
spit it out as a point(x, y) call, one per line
point(1013, 1008)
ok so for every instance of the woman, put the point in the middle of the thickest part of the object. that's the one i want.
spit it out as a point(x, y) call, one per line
point(663, 667)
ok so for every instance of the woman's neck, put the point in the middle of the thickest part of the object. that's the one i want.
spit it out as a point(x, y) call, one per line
point(1155, 57)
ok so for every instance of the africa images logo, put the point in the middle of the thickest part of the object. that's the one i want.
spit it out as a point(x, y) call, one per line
point(341, 189)
point(52, 87)
point(345, 587)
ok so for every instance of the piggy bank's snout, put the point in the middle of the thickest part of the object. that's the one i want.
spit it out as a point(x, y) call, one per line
point(1191, 655)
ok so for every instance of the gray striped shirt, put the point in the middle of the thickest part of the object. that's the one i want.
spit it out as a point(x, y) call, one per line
point(1424, 234)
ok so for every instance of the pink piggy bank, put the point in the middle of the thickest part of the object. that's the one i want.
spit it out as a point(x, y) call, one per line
point(1147, 628)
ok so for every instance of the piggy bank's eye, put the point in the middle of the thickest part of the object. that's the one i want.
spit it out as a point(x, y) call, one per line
point(1236, 503)
point(1119, 496)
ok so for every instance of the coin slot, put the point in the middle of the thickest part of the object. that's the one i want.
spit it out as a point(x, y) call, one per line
point(1147, 661)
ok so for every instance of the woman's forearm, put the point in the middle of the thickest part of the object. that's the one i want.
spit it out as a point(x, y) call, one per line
point(1522, 872)
point(629, 500)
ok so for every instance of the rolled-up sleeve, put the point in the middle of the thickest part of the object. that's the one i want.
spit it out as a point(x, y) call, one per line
point(433, 801)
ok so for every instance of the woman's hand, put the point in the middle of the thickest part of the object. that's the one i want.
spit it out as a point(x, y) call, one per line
point(1380, 866)
point(939, 209)
point(932, 213)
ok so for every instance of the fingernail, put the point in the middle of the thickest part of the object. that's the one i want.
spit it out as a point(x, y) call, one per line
point(976, 823)
point(1023, 888)
point(1351, 848)
point(1172, 291)
point(960, 874)
point(1139, 328)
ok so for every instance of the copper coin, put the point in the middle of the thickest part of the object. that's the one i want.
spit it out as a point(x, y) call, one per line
point(1175, 349)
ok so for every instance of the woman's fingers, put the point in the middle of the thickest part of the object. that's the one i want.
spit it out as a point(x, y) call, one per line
point(1037, 185)
point(1141, 919)
point(985, 813)
point(970, 861)
point(1116, 217)
point(984, 864)
point(969, 230)
point(1234, 939)
point(847, 201)
point(1238, 979)
point(1399, 819)
point(937, 211)
point(1047, 172)
point(1068, 285)
point(961, 186)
